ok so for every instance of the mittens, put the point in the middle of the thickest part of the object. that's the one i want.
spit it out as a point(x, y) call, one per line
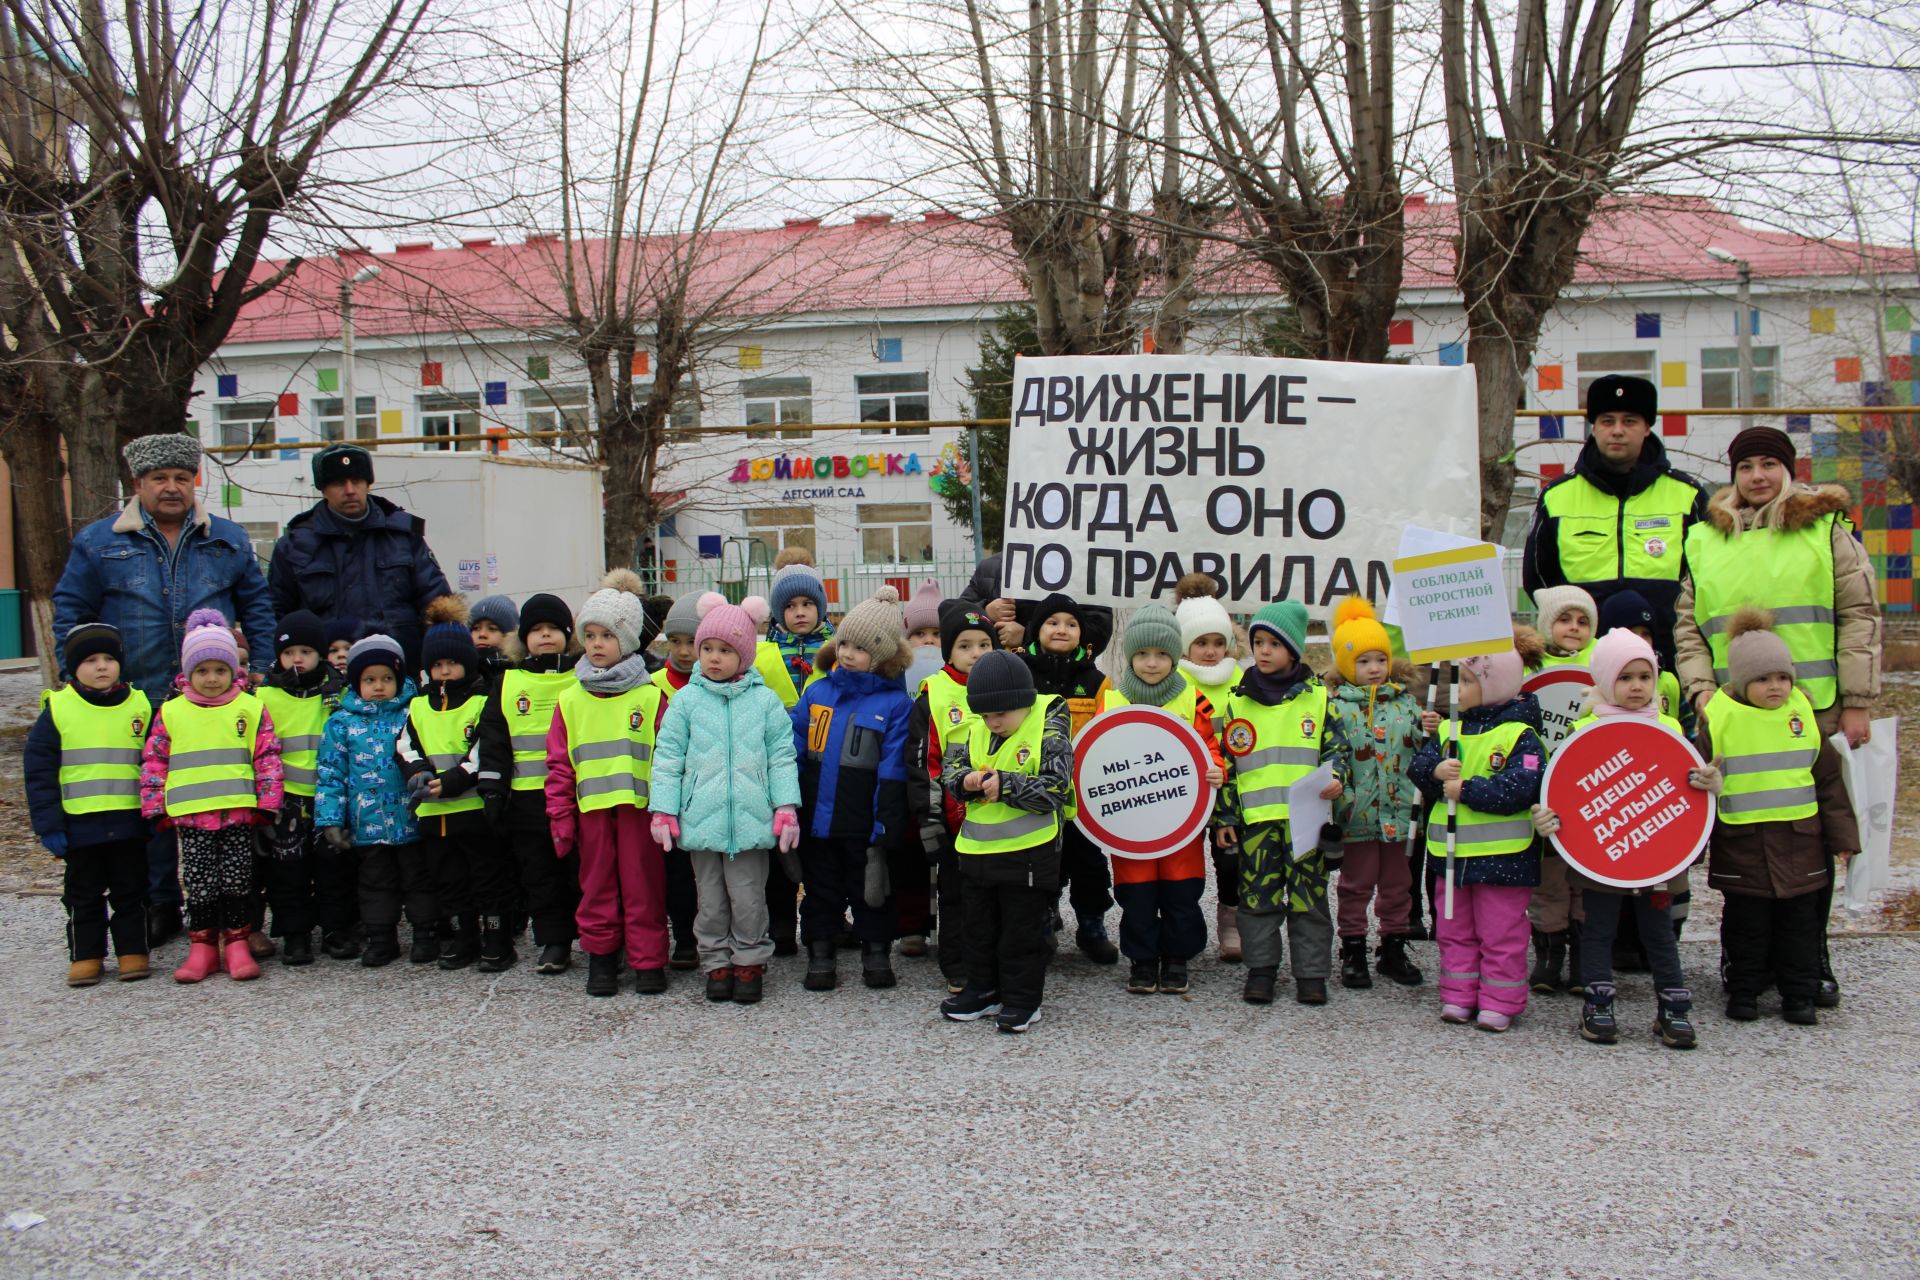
point(786, 829)
point(1708, 778)
point(666, 829)
point(336, 838)
point(879, 884)
point(1545, 820)
point(55, 843)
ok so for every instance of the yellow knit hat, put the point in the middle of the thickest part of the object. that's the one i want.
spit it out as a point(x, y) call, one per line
point(1356, 631)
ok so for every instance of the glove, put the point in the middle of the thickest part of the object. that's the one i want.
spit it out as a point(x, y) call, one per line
point(1333, 846)
point(790, 866)
point(337, 838)
point(566, 835)
point(494, 807)
point(417, 785)
point(1707, 777)
point(933, 838)
point(879, 884)
point(786, 830)
point(1545, 820)
point(264, 845)
point(666, 829)
point(55, 843)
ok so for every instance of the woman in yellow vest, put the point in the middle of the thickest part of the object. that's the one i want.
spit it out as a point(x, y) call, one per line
point(1789, 547)
point(1208, 662)
point(1784, 820)
point(212, 771)
point(299, 693)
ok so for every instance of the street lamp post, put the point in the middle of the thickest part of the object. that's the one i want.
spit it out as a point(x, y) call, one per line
point(1742, 326)
point(350, 408)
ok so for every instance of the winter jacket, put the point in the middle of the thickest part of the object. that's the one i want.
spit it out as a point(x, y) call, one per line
point(1513, 790)
point(1856, 612)
point(850, 736)
point(983, 588)
point(1048, 790)
point(1376, 728)
point(268, 789)
point(798, 652)
point(42, 767)
point(359, 786)
point(1072, 676)
point(724, 761)
point(122, 572)
point(1784, 859)
point(379, 570)
point(465, 775)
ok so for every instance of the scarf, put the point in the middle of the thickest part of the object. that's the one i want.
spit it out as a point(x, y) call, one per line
point(1218, 673)
point(627, 674)
point(1272, 690)
point(1596, 703)
point(234, 690)
point(1140, 693)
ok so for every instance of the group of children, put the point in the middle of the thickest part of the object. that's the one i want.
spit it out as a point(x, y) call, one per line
point(669, 811)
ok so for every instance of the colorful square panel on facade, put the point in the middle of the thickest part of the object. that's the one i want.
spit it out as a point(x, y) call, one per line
point(1803, 470)
point(1799, 422)
point(326, 379)
point(1400, 333)
point(1899, 566)
point(230, 496)
point(1846, 369)
point(288, 405)
point(287, 452)
point(390, 422)
point(1899, 318)
point(495, 393)
point(1874, 521)
point(1673, 373)
point(1753, 322)
point(1848, 446)
point(1826, 444)
point(1900, 516)
point(1820, 320)
point(1646, 324)
point(1873, 476)
point(1550, 377)
point(1900, 368)
point(1552, 470)
point(430, 373)
point(539, 369)
point(1874, 393)
point(1899, 541)
point(1847, 471)
point(1553, 427)
point(752, 357)
point(1453, 354)
point(1673, 424)
point(639, 365)
point(1847, 421)
point(1900, 594)
point(888, 350)
point(709, 544)
point(229, 384)
point(1825, 470)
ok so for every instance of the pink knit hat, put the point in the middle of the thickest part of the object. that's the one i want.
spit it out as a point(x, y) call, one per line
point(1611, 654)
point(1501, 674)
point(209, 639)
point(734, 625)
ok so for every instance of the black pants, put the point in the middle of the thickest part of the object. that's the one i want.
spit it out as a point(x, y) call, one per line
point(683, 896)
point(1084, 874)
point(288, 874)
point(474, 870)
point(952, 950)
point(1226, 877)
point(1161, 919)
point(336, 887)
point(836, 879)
point(783, 904)
point(99, 876)
point(1606, 912)
point(1005, 927)
point(1825, 896)
point(1772, 942)
point(393, 876)
point(549, 887)
point(912, 881)
point(163, 869)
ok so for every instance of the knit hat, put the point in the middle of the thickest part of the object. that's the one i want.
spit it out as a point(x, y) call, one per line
point(1096, 621)
point(1501, 674)
point(796, 580)
point(1620, 393)
point(924, 609)
point(90, 638)
point(1753, 650)
point(1356, 631)
point(209, 639)
point(498, 610)
point(374, 651)
point(1202, 616)
point(1286, 621)
point(1611, 654)
point(1761, 442)
point(999, 682)
point(299, 628)
point(1151, 627)
point(450, 640)
point(342, 462)
point(616, 606)
point(1625, 609)
point(736, 625)
point(957, 619)
point(684, 618)
point(874, 625)
point(549, 609)
point(343, 626)
point(1551, 602)
point(170, 449)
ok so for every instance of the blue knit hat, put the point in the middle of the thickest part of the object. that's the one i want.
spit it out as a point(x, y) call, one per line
point(796, 580)
point(449, 640)
point(374, 651)
point(499, 610)
point(342, 626)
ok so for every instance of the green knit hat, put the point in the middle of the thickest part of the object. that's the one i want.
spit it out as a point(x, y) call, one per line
point(1287, 620)
point(1152, 627)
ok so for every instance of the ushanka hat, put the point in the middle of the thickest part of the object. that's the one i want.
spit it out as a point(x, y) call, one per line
point(169, 449)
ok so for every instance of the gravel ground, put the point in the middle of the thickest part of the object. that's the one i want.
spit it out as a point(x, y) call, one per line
point(340, 1122)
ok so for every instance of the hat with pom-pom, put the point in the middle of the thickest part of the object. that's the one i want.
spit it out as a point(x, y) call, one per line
point(924, 609)
point(450, 642)
point(737, 626)
point(617, 607)
point(1754, 649)
point(1356, 631)
point(874, 625)
point(209, 639)
point(1501, 674)
point(1199, 611)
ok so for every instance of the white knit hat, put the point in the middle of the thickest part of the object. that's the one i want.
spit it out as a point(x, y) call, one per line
point(1202, 616)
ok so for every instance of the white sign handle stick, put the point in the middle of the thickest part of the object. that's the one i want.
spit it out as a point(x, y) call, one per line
point(1453, 806)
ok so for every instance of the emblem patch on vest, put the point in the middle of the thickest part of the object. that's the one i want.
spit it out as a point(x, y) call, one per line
point(523, 704)
point(1656, 547)
point(139, 726)
point(1796, 727)
point(1240, 736)
point(1306, 726)
point(1497, 761)
point(466, 732)
point(1023, 755)
point(633, 720)
point(954, 714)
point(240, 727)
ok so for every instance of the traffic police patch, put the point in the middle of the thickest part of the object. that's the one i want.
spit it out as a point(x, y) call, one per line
point(1240, 736)
point(522, 704)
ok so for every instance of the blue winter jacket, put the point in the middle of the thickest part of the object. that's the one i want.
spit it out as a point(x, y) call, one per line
point(380, 570)
point(358, 784)
point(1513, 790)
point(42, 767)
point(850, 731)
point(723, 763)
point(122, 572)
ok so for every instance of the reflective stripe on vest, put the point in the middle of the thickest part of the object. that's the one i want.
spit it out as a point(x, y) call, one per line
point(298, 723)
point(1000, 827)
point(527, 700)
point(773, 671)
point(100, 751)
point(1791, 571)
point(1286, 748)
point(1477, 834)
point(610, 744)
point(445, 739)
point(1766, 758)
point(1602, 538)
point(210, 755)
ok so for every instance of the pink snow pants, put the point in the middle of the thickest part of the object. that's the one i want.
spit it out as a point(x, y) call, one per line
point(1483, 949)
point(623, 887)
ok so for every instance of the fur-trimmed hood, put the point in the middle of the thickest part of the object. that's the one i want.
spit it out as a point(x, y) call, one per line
point(1805, 504)
point(130, 519)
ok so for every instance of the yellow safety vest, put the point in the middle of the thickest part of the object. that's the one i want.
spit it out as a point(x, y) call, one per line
point(1584, 658)
point(610, 742)
point(1216, 696)
point(1669, 693)
point(1273, 749)
point(773, 671)
point(664, 683)
point(1000, 827)
point(1791, 573)
point(1477, 834)
point(1602, 538)
point(1766, 758)
point(298, 722)
point(946, 704)
point(1185, 704)
point(445, 739)
point(210, 755)
point(527, 700)
point(100, 751)
point(1666, 722)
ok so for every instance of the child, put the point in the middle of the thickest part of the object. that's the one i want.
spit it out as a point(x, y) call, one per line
point(1494, 776)
point(341, 631)
point(1011, 765)
point(367, 828)
point(1277, 733)
point(493, 622)
point(1783, 813)
point(912, 875)
point(922, 620)
point(1161, 924)
point(86, 811)
point(1624, 669)
point(939, 712)
point(850, 734)
point(800, 626)
point(1567, 619)
point(599, 750)
point(212, 770)
point(1376, 723)
point(1207, 661)
point(677, 628)
point(725, 787)
point(475, 882)
point(1568, 622)
point(300, 693)
point(514, 729)
point(1063, 640)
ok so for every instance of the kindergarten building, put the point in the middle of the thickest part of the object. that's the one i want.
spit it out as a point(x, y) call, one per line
point(876, 323)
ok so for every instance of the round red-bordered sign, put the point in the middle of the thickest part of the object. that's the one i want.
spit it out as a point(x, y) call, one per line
point(1628, 816)
point(1140, 777)
point(1560, 691)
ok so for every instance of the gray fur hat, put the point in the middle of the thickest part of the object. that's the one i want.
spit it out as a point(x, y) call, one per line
point(150, 453)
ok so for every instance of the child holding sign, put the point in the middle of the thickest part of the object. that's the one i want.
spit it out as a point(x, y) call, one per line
point(1493, 776)
point(1568, 619)
point(1207, 661)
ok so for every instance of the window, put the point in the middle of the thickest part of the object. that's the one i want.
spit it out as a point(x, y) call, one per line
point(777, 527)
point(366, 422)
point(263, 534)
point(450, 416)
point(1720, 376)
point(1593, 365)
point(892, 397)
point(780, 400)
point(562, 409)
point(686, 406)
point(896, 532)
point(249, 422)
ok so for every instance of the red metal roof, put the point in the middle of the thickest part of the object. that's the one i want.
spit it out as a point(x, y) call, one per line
point(874, 265)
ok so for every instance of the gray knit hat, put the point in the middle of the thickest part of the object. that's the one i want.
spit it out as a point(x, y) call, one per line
point(150, 453)
point(684, 618)
point(1754, 650)
point(999, 681)
point(1151, 627)
point(874, 625)
point(374, 651)
point(499, 610)
point(618, 610)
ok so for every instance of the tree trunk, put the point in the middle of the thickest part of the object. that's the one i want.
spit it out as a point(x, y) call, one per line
point(1497, 374)
point(32, 451)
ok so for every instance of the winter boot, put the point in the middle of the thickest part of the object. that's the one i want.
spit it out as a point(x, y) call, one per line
point(1173, 978)
point(1013, 1022)
point(425, 948)
point(1827, 994)
point(1575, 985)
point(1260, 982)
point(133, 968)
point(236, 956)
point(1549, 956)
point(1394, 963)
point(383, 946)
point(459, 946)
point(203, 958)
point(747, 981)
point(1801, 1013)
point(1226, 923)
point(720, 984)
point(1743, 1009)
point(1091, 937)
point(555, 957)
point(914, 945)
point(1309, 990)
point(603, 974)
point(685, 957)
point(1143, 978)
point(83, 973)
point(1353, 964)
point(970, 1005)
point(1597, 1023)
point(297, 949)
point(341, 944)
point(260, 943)
point(496, 948)
point(876, 965)
point(1674, 1028)
point(649, 982)
point(821, 973)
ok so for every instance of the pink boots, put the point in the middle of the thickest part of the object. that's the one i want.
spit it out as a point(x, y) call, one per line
point(202, 959)
point(240, 964)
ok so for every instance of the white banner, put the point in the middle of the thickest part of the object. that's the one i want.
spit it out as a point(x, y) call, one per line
point(1284, 479)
